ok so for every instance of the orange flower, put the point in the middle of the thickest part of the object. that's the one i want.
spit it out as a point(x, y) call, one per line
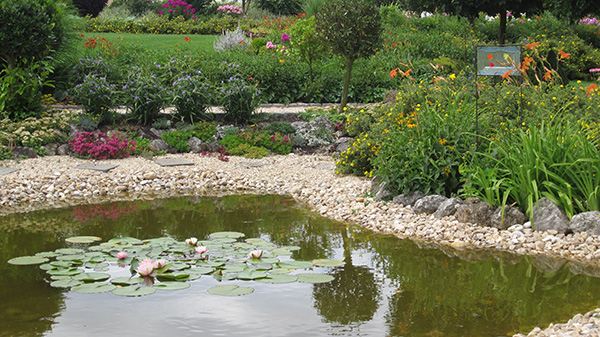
point(532, 45)
point(506, 74)
point(591, 88)
point(547, 76)
point(394, 72)
point(406, 73)
point(563, 55)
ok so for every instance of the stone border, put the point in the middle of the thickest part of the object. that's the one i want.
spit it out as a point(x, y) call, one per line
point(51, 182)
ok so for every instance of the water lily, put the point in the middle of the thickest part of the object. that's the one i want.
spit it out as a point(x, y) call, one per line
point(191, 241)
point(256, 254)
point(159, 263)
point(201, 249)
point(145, 268)
point(121, 255)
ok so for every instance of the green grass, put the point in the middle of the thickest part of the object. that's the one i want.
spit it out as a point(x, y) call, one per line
point(197, 43)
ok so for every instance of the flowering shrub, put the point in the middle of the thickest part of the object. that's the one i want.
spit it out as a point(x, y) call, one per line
point(144, 96)
point(97, 96)
point(240, 99)
point(35, 132)
point(192, 97)
point(229, 10)
point(99, 146)
point(177, 8)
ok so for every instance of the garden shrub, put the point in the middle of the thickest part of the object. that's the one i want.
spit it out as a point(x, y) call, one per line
point(282, 128)
point(100, 146)
point(280, 7)
point(97, 97)
point(276, 143)
point(231, 40)
point(36, 132)
point(89, 7)
point(144, 96)
point(239, 99)
point(135, 7)
point(191, 97)
point(177, 139)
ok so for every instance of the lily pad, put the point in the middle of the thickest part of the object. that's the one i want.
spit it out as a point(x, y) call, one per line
point(92, 277)
point(229, 235)
point(202, 270)
point(74, 257)
point(124, 241)
point(230, 290)
point(328, 263)
point(170, 285)
point(279, 278)
point(47, 254)
point(264, 260)
point(65, 272)
point(65, 283)
point(93, 288)
point(47, 266)
point(83, 239)
point(69, 251)
point(126, 281)
point(314, 278)
point(134, 290)
point(250, 274)
point(281, 251)
point(295, 264)
point(27, 260)
point(173, 276)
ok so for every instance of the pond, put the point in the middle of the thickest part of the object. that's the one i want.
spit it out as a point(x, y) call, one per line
point(385, 286)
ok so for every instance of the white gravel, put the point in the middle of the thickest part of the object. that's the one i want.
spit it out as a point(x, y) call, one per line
point(54, 181)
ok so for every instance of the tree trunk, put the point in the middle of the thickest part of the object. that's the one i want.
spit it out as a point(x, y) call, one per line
point(349, 64)
point(502, 37)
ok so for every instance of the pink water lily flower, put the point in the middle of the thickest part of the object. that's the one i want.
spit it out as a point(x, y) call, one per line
point(256, 254)
point(121, 255)
point(159, 263)
point(145, 268)
point(201, 249)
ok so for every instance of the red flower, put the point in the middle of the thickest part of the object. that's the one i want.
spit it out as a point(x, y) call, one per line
point(187, 39)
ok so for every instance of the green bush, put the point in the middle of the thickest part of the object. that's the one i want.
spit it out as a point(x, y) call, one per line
point(177, 139)
point(282, 128)
point(276, 143)
point(280, 7)
point(191, 97)
point(89, 7)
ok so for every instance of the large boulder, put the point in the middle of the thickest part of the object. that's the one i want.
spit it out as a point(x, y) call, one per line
point(448, 208)
point(408, 199)
point(546, 216)
point(511, 216)
point(195, 144)
point(588, 222)
point(475, 211)
point(160, 145)
point(429, 204)
point(24, 152)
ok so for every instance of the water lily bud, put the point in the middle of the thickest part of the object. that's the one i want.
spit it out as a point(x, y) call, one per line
point(201, 249)
point(191, 241)
point(121, 255)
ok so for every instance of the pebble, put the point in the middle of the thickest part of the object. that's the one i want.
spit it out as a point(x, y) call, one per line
point(50, 182)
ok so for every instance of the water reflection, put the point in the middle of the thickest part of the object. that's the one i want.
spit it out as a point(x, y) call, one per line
point(385, 287)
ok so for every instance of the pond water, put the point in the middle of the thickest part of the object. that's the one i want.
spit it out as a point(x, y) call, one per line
point(386, 286)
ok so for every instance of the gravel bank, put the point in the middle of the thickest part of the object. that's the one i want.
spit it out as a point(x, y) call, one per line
point(54, 181)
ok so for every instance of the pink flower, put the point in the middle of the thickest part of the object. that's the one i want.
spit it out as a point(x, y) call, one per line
point(121, 255)
point(160, 13)
point(145, 268)
point(270, 45)
point(201, 249)
point(159, 263)
point(284, 37)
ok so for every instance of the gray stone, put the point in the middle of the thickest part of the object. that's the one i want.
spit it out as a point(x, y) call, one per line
point(479, 213)
point(7, 170)
point(96, 167)
point(429, 204)
point(547, 264)
point(160, 145)
point(343, 143)
point(448, 208)
point(156, 132)
point(50, 149)
point(316, 133)
point(408, 199)
point(381, 192)
point(251, 164)
point(547, 216)
point(511, 216)
point(588, 222)
point(64, 150)
point(173, 162)
point(195, 144)
point(22, 151)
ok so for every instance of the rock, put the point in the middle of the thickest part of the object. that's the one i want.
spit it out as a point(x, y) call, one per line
point(316, 133)
point(50, 149)
point(160, 145)
point(64, 150)
point(342, 144)
point(448, 208)
point(409, 198)
point(150, 176)
point(512, 216)
point(588, 222)
point(22, 151)
point(195, 144)
point(547, 216)
point(429, 204)
point(156, 132)
point(547, 264)
point(476, 213)
point(381, 192)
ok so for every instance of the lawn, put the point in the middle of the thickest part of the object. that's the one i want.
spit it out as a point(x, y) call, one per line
point(199, 43)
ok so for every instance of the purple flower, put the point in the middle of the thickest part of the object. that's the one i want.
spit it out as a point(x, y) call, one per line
point(284, 37)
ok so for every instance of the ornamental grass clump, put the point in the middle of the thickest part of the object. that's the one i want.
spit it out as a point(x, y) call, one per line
point(145, 96)
point(230, 40)
point(97, 96)
point(240, 99)
point(191, 97)
point(100, 146)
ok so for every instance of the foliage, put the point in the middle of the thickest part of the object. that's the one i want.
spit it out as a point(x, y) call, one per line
point(280, 7)
point(35, 132)
point(192, 97)
point(21, 90)
point(136, 7)
point(571, 10)
point(144, 96)
point(352, 29)
point(247, 142)
point(282, 128)
point(178, 139)
point(239, 99)
point(97, 97)
point(142, 148)
point(178, 9)
point(231, 40)
point(100, 146)
point(89, 7)
point(305, 43)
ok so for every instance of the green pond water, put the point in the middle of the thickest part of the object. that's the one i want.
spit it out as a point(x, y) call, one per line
point(386, 287)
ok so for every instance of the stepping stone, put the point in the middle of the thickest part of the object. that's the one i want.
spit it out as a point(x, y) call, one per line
point(96, 167)
point(324, 166)
point(250, 164)
point(173, 162)
point(7, 170)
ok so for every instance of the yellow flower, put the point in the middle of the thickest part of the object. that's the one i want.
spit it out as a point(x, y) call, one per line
point(281, 60)
point(443, 141)
point(452, 77)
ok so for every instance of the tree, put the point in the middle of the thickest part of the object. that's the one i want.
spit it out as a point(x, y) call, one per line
point(471, 9)
point(352, 29)
point(306, 44)
point(572, 10)
point(89, 7)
